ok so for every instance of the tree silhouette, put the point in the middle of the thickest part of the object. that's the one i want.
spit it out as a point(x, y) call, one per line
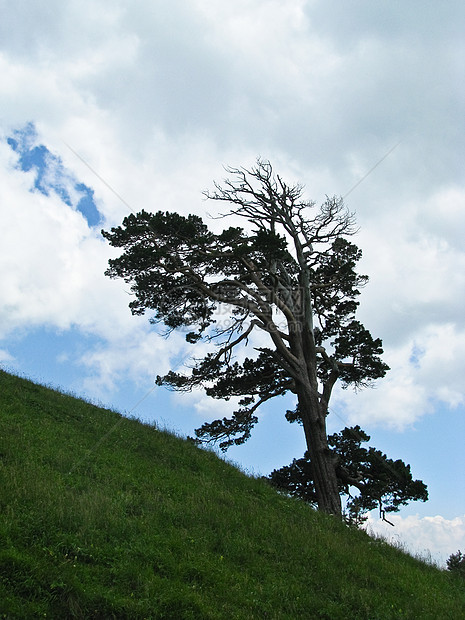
point(290, 276)
point(381, 482)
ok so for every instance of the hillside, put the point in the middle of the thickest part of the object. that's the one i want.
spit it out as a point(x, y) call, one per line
point(104, 517)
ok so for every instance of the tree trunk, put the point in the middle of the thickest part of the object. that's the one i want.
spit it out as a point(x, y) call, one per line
point(321, 457)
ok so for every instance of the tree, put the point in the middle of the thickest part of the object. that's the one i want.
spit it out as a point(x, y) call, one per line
point(290, 276)
point(456, 563)
point(382, 483)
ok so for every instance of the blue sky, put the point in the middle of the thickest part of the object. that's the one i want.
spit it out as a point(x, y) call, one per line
point(112, 109)
point(50, 174)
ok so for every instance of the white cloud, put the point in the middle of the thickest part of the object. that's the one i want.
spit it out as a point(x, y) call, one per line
point(414, 302)
point(5, 357)
point(424, 372)
point(433, 538)
point(156, 97)
point(52, 271)
point(49, 256)
point(137, 356)
point(444, 216)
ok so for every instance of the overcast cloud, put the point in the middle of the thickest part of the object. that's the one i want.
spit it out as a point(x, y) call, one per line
point(144, 102)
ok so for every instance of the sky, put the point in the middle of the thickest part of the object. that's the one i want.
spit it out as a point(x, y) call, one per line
point(111, 108)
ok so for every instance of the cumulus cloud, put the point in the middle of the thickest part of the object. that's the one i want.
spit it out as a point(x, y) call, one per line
point(431, 538)
point(49, 255)
point(5, 357)
point(143, 103)
point(52, 269)
point(424, 373)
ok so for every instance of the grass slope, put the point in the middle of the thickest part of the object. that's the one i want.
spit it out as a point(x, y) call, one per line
point(103, 517)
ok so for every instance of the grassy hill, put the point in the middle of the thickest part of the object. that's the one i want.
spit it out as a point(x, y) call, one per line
point(103, 517)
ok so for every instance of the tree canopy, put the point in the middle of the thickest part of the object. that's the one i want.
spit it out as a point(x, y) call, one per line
point(381, 482)
point(456, 563)
point(288, 275)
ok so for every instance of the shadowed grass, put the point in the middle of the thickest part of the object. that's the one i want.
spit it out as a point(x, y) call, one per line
point(149, 526)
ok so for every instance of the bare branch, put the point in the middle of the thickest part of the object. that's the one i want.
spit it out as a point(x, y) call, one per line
point(226, 350)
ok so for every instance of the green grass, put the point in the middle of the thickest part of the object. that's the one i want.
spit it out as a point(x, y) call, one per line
point(104, 517)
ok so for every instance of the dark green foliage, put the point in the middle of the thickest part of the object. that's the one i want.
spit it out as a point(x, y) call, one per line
point(104, 517)
point(456, 563)
point(356, 344)
point(291, 276)
point(184, 273)
point(164, 238)
point(261, 377)
point(382, 483)
point(295, 479)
